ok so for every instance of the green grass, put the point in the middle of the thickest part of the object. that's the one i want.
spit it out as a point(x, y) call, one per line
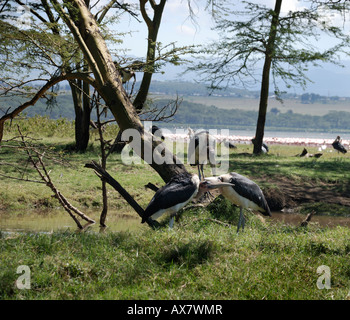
point(199, 259)
point(82, 186)
point(330, 167)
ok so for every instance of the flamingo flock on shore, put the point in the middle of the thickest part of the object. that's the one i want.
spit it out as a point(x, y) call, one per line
point(322, 144)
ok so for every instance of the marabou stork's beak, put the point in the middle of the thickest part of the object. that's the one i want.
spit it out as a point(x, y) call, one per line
point(214, 183)
point(211, 183)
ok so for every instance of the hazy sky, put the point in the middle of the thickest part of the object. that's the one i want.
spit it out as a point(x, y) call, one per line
point(178, 27)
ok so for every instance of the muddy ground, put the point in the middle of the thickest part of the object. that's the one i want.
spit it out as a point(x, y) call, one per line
point(289, 193)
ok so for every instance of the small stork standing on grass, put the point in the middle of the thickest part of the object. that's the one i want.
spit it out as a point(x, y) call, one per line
point(264, 147)
point(244, 193)
point(337, 145)
point(179, 191)
point(227, 143)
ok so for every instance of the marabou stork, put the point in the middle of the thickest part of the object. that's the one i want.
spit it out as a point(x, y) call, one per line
point(180, 190)
point(338, 146)
point(244, 193)
point(201, 150)
point(264, 148)
point(228, 144)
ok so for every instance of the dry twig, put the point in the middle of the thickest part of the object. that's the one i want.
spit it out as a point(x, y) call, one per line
point(45, 176)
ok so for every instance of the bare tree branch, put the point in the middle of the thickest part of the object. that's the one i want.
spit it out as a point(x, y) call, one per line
point(162, 114)
point(41, 92)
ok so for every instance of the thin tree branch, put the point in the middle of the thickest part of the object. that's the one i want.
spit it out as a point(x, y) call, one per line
point(35, 13)
point(144, 14)
point(21, 179)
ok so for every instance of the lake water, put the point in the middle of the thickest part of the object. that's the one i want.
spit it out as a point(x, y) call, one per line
point(296, 219)
point(322, 140)
point(57, 219)
point(291, 134)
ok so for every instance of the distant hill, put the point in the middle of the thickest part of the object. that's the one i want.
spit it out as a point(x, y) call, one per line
point(187, 88)
point(199, 115)
point(198, 109)
point(327, 80)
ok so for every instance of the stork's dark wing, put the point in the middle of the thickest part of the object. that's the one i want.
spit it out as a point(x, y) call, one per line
point(249, 190)
point(338, 146)
point(172, 193)
point(266, 147)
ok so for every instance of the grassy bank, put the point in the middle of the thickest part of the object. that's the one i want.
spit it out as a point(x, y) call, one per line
point(197, 260)
point(200, 258)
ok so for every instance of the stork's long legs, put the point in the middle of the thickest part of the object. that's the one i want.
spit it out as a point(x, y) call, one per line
point(199, 172)
point(241, 220)
point(202, 171)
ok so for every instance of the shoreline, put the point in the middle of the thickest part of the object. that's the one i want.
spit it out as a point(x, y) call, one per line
point(245, 139)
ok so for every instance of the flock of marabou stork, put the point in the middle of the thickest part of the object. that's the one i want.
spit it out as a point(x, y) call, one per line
point(183, 188)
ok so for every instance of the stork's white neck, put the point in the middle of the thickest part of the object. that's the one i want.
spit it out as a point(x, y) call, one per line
point(196, 182)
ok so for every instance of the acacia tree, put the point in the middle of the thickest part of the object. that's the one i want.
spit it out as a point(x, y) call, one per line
point(68, 57)
point(106, 79)
point(287, 45)
point(45, 48)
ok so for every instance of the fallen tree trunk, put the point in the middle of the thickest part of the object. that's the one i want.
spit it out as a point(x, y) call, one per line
point(105, 176)
point(307, 219)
